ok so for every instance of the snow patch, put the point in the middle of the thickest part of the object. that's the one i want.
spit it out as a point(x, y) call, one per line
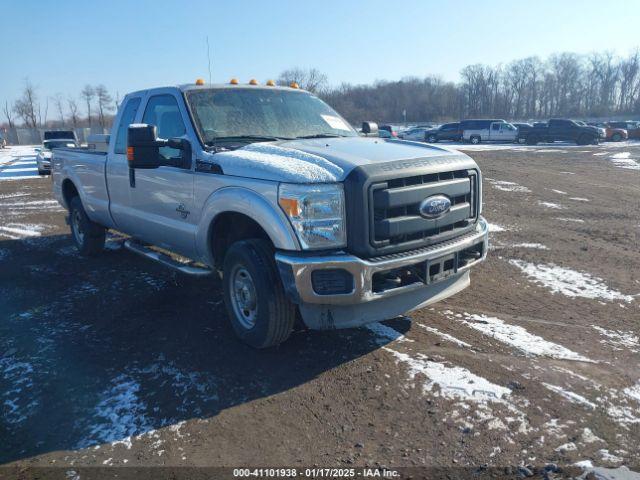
point(566, 219)
point(278, 164)
point(619, 339)
point(451, 382)
point(446, 336)
point(554, 206)
point(569, 282)
point(385, 334)
point(571, 396)
point(15, 231)
point(519, 338)
point(537, 246)
point(507, 186)
point(579, 199)
point(624, 160)
point(495, 228)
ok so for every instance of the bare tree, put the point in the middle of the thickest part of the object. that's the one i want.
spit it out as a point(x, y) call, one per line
point(312, 79)
point(87, 94)
point(73, 111)
point(57, 99)
point(25, 107)
point(8, 113)
point(104, 103)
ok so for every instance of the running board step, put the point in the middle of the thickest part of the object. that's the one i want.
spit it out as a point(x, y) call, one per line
point(166, 260)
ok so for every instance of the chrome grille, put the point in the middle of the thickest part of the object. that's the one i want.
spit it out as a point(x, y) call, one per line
point(396, 221)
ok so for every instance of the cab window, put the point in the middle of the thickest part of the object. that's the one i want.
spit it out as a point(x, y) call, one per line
point(163, 112)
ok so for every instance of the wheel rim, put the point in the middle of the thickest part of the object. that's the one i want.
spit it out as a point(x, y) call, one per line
point(243, 297)
point(76, 225)
point(474, 140)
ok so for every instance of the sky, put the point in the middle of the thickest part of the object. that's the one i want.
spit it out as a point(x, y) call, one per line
point(128, 45)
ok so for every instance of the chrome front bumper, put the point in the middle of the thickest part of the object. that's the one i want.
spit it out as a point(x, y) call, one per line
point(296, 270)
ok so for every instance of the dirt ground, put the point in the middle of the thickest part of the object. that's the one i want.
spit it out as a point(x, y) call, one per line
point(115, 361)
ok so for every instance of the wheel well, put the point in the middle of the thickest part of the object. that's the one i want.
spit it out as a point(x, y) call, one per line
point(230, 227)
point(69, 191)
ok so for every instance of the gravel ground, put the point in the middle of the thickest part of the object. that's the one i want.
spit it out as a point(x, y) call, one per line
point(116, 361)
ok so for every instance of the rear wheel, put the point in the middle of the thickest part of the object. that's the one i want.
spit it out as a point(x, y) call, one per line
point(475, 139)
point(584, 140)
point(616, 137)
point(432, 139)
point(260, 312)
point(532, 140)
point(88, 236)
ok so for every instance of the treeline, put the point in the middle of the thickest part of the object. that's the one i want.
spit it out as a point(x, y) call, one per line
point(93, 107)
point(563, 85)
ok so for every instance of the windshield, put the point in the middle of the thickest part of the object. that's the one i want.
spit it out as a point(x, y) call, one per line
point(263, 114)
point(50, 145)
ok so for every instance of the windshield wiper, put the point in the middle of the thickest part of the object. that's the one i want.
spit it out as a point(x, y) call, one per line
point(322, 135)
point(245, 138)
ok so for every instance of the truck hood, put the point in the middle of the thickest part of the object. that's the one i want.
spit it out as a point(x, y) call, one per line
point(331, 159)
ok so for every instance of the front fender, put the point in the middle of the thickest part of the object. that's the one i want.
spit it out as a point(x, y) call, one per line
point(247, 202)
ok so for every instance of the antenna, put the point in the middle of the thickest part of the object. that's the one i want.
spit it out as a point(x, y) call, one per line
point(209, 59)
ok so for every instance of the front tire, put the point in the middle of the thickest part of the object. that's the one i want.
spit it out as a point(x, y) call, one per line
point(432, 139)
point(475, 140)
point(89, 237)
point(531, 140)
point(616, 137)
point(260, 312)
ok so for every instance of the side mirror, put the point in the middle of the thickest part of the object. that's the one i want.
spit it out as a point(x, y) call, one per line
point(369, 127)
point(143, 149)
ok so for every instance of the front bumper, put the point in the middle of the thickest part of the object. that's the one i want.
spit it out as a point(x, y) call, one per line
point(43, 163)
point(296, 269)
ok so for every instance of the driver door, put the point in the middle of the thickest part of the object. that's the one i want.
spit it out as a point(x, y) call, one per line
point(162, 199)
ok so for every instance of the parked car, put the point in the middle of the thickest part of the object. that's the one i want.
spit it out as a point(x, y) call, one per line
point(495, 132)
point(3, 141)
point(324, 230)
point(447, 131)
point(601, 130)
point(417, 134)
point(392, 129)
point(632, 128)
point(60, 135)
point(560, 129)
point(43, 156)
point(522, 127)
point(613, 134)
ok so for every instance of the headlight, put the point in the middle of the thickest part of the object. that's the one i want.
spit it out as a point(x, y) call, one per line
point(316, 213)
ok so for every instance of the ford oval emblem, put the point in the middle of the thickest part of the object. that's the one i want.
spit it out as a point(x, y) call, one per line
point(435, 206)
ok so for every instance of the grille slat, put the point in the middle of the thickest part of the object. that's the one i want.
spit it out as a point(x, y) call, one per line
point(396, 220)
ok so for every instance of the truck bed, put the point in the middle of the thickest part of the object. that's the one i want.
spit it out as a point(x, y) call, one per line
point(86, 167)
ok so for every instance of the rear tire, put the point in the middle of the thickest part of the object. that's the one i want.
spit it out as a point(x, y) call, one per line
point(616, 137)
point(260, 312)
point(89, 237)
point(584, 140)
point(532, 140)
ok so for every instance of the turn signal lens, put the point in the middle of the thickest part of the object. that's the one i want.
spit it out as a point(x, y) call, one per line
point(271, 83)
point(294, 85)
point(130, 154)
point(199, 81)
point(234, 81)
point(253, 81)
point(290, 206)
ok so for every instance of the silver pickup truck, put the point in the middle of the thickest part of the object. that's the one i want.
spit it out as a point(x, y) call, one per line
point(275, 191)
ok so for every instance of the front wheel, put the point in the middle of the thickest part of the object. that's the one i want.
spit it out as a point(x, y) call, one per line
point(475, 140)
point(260, 312)
point(432, 139)
point(88, 236)
point(616, 137)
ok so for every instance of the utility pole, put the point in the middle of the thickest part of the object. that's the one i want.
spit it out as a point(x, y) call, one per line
point(209, 59)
